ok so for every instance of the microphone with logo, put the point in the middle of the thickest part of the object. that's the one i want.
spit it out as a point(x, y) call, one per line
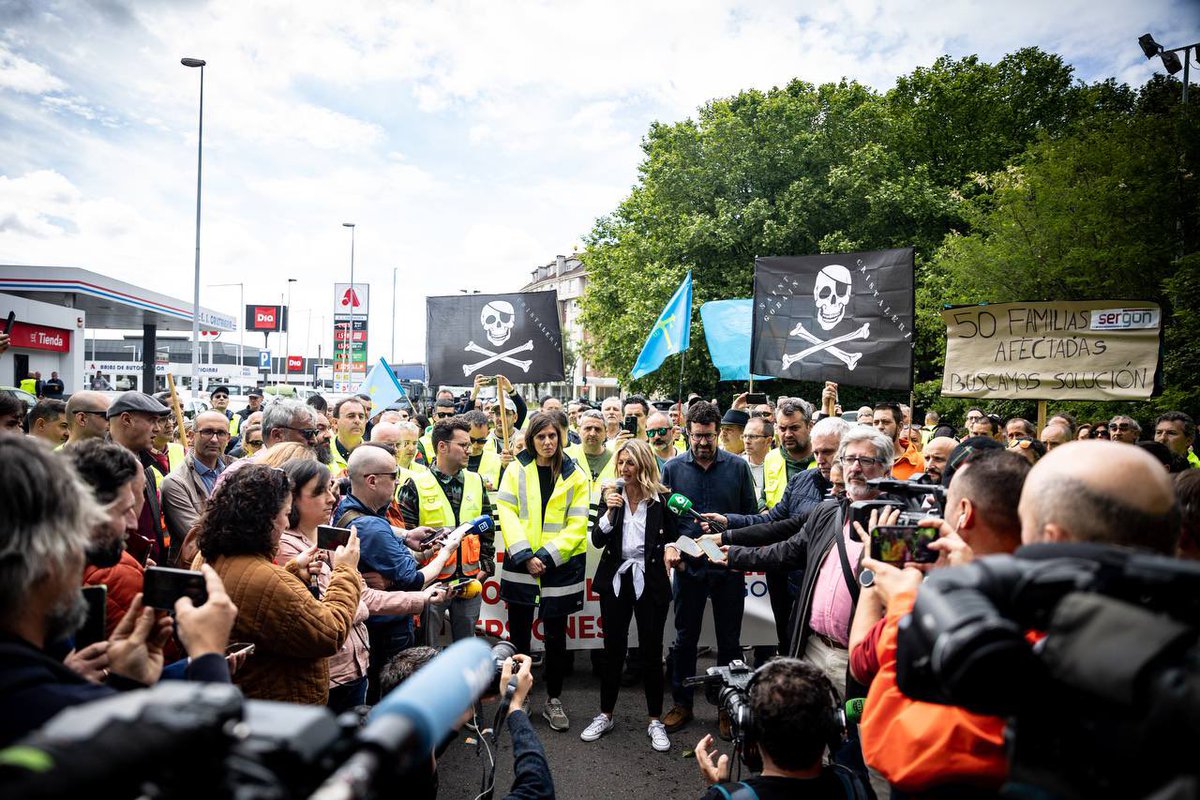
point(683, 507)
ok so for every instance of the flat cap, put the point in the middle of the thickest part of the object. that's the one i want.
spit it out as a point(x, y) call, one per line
point(137, 402)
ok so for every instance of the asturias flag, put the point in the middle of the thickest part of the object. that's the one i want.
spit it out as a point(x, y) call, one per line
point(382, 386)
point(671, 333)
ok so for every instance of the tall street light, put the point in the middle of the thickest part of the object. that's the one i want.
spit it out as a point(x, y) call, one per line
point(352, 298)
point(197, 62)
point(287, 333)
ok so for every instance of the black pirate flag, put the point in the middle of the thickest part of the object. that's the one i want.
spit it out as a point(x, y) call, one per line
point(515, 335)
point(845, 317)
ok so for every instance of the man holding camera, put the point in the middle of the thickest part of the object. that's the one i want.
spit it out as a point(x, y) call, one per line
point(794, 717)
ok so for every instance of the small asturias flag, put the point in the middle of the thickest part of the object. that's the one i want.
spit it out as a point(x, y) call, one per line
point(382, 386)
point(671, 332)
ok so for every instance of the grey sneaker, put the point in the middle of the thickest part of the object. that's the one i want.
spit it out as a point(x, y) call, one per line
point(600, 726)
point(658, 736)
point(554, 714)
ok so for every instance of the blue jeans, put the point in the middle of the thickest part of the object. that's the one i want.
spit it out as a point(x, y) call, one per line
point(728, 592)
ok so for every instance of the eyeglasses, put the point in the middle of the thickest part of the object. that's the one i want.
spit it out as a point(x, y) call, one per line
point(211, 434)
point(254, 442)
point(1020, 444)
point(862, 461)
point(476, 440)
point(1122, 426)
point(97, 413)
point(307, 433)
point(393, 475)
point(702, 437)
point(657, 431)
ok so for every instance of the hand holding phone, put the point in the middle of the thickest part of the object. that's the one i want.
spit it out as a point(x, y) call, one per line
point(92, 631)
point(756, 398)
point(630, 425)
point(8, 323)
point(163, 586)
point(331, 538)
point(711, 549)
point(900, 544)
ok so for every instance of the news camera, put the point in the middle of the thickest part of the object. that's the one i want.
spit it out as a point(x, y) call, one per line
point(916, 499)
point(195, 740)
point(728, 688)
point(1107, 704)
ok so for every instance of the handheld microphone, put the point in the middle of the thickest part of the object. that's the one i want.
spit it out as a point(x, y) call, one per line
point(405, 727)
point(619, 485)
point(683, 507)
point(853, 709)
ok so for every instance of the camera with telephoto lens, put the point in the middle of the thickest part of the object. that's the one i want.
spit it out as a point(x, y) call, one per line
point(501, 652)
point(728, 688)
point(180, 739)
point(916, 499)
point(1107, 703)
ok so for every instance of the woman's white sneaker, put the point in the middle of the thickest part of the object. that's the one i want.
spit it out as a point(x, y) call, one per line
point(600, 725)
point(658, 736)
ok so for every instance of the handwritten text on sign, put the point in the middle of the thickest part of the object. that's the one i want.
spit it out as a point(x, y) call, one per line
point(1058, 350)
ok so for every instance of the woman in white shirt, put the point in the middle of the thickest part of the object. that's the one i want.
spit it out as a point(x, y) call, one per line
point(632, 582)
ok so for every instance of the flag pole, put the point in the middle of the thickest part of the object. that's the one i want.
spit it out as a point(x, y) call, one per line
point(682, 361)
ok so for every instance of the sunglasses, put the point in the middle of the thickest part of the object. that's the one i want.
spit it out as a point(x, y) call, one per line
point(307, 433)
point(657, 431)
point(479, 440)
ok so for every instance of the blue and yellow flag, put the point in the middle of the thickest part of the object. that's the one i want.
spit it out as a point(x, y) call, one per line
point(671, 333)
point(382, 386)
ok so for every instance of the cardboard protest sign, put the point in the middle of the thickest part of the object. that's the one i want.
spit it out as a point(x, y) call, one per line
point(1053, 350)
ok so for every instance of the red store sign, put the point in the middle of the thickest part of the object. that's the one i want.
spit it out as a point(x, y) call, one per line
point(41, 337)
point(295, 363)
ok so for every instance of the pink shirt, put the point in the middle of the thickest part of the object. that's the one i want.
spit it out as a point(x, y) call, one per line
point(831, 601)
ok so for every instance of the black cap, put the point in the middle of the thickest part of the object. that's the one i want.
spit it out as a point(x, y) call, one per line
point(218, 390)
point(255, 392)
point(138, 403)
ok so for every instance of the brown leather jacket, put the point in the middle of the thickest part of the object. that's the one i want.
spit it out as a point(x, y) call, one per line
point(293, 633)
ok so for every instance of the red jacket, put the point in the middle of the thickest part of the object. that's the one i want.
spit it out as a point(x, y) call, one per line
point(124, 580)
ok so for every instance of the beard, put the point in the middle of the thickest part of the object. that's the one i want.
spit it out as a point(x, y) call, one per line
point(106, 553)
point(66, 617)
point(324, 454)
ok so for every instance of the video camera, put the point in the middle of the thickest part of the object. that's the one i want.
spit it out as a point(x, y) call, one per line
point(197, 740)
point(916, 499)
point(728, 689)
point(1107, 704)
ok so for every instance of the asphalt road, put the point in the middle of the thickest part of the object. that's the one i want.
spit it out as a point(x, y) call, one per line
point(620, 766)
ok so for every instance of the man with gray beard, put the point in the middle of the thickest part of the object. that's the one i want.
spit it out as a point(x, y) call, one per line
point(50, 514)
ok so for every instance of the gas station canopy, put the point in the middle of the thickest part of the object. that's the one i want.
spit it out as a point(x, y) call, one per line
point(109, 304)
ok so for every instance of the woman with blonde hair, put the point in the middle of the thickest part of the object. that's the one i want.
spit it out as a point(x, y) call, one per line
point(632, 582)
point(280, 454)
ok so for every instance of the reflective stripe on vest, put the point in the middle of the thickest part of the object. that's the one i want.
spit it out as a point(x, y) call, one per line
point(436, 511)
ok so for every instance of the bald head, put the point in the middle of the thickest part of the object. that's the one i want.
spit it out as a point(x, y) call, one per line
point(365, 460)
point(1097, 491)
point(386, 432)
point(936, 454)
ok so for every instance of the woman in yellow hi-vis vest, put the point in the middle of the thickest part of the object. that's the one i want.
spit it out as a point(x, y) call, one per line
point(543, 504)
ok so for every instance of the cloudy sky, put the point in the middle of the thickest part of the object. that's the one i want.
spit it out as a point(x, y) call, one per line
point(469, 141)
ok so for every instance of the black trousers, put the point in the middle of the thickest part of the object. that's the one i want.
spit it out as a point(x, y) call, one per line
point(554, 636)
point(617, 612)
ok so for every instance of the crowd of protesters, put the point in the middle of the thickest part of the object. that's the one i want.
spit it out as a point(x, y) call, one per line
point(98, 490)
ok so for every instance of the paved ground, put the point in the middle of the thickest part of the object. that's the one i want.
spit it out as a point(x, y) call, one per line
point(620, 766)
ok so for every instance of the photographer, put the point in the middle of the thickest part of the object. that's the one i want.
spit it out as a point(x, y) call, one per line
point(794, 719)
point(531, 769)
point(50, 514)
point(918, 746)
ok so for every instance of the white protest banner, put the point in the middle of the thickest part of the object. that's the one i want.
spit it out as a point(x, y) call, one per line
point(1053, 350)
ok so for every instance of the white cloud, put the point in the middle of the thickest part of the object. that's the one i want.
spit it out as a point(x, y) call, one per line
point(469, 140)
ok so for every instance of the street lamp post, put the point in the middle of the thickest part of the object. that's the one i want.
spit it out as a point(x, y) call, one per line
point(197, 62)
point(349, 363)
point(287, 333)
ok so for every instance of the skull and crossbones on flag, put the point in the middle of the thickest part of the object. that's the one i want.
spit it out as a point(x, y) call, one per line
point(843, 317)
point(517, 335)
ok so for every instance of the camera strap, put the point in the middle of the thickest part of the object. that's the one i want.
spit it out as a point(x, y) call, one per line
point(844, 557)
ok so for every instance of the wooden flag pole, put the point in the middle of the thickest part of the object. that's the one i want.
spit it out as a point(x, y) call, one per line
point(180, 435)
point(502, 401)
point(1041, 416)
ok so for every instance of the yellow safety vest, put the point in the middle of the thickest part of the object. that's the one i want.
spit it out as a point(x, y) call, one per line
point(609, 472)
point(175, 455)
point(426, 443)
point(774, 477)
point(29, 385)
point(489, 468)
point(235, 423)
point(558, 538)
point(408, 472)
point(338, 463)
point(436, 512)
